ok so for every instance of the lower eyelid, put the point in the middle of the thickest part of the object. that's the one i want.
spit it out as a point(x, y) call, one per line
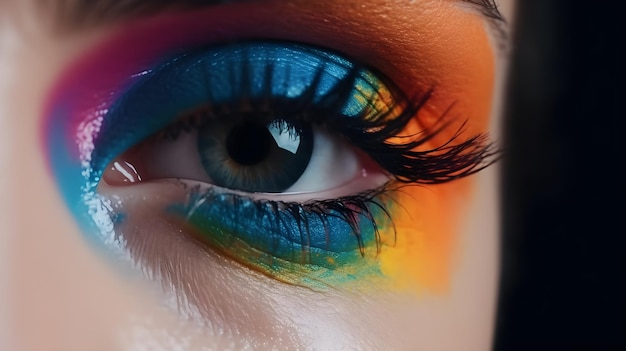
point(224, 295)
point(254, 236)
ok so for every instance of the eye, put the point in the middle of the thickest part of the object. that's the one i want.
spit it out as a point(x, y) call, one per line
point(271, 131)
point(277, 155)
point(250, 153)
point(253, 118)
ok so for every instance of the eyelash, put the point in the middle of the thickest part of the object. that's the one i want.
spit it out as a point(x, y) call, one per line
point(346, 209)
point(437, 165)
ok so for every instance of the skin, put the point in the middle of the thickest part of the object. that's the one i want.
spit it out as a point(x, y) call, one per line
point(64, 294)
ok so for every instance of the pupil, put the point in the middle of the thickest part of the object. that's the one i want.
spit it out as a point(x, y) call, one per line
point(248, 145)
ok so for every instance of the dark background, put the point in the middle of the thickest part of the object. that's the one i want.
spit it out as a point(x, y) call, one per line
point(562, 281)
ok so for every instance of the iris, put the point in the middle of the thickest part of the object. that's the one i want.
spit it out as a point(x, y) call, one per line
point(248, 152)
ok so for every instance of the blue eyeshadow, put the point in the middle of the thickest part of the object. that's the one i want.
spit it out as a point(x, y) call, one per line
point(288, 73)
point(291, 232)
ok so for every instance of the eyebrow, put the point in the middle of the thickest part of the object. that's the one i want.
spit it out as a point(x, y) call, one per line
point(72, 14)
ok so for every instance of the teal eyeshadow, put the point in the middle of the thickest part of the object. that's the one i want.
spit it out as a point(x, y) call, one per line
point(270, 227)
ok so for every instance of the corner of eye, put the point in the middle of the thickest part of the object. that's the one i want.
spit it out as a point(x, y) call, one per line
point(121, 172)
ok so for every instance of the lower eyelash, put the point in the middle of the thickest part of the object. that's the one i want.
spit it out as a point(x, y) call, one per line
point(324, 233)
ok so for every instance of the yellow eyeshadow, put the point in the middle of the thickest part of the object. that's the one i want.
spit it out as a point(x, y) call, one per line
point(422, 258)
point(376, 98)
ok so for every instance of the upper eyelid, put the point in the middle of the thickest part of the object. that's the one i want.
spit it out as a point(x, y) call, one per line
point(132, 49)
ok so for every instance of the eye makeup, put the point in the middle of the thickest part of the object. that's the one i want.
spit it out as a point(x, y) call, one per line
point(254, 83)
point(282, 79)
point(104, 108)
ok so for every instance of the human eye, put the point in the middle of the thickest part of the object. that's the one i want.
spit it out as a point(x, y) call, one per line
point(264, 160)
point(283, 156)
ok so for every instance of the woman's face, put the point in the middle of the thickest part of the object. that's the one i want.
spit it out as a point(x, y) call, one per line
point(251, 174)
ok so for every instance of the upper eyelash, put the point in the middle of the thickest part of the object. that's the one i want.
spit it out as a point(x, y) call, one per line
point(441, 164)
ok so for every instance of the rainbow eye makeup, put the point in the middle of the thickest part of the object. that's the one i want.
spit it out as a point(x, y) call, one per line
point(293, 160)
point(253, 109)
